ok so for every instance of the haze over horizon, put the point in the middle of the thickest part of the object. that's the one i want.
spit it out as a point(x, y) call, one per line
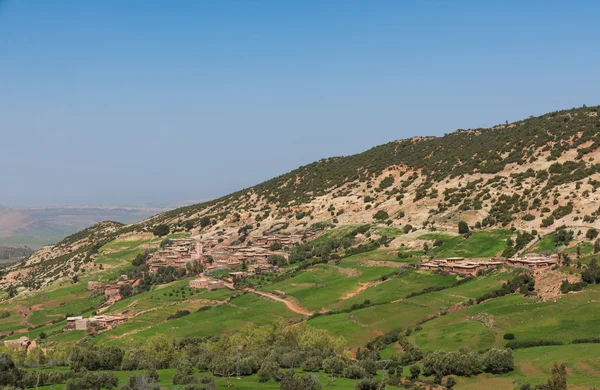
point(111, 102)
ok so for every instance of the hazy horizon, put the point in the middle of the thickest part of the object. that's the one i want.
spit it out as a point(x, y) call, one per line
point(121, 103)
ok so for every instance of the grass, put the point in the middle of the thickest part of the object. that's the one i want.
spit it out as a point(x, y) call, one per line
point(545, 245)
point(471, 289)
point(120, 252)
point(245, 310)
point(533, 365)
point(241, 383)
point(436, 236)
point(571, 316)
point(336, 233)
point(480, 244)
point(587, 248)
point(326, 284)
point(46, 305)
point(398, 287)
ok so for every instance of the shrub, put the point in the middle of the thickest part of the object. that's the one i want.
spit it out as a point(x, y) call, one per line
point(354, 371)
point(161, 230)
point(463, 228)
point(381, 215)
point(499, 360)
point(509, 336)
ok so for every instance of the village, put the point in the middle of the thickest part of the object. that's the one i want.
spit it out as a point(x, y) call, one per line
point(248, 260)
point(180, 253)
point(471, 267)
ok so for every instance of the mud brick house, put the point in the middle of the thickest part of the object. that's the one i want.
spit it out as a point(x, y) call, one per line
point(71, 321)
point(533, 261)
point(22, 343)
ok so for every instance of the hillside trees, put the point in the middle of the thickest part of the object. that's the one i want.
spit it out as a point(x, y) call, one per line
point(499, 360)
point(592, 272)
point(10, 375)
point(161, 230)
point(463, 228)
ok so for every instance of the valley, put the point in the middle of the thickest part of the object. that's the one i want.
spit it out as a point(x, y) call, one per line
point(466, 261)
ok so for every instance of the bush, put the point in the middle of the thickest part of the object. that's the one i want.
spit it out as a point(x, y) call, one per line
point(312, 364)
point(333, 365)
point(509, 336)
point(463, 228)
point(161, 230)
point(499, 360)
point(354, 371)
point(381, 215)
point(367, 384)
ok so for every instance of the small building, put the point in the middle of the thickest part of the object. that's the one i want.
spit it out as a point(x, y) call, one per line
point(107, 321)
point(215, 284)
point(22, 343)
point(71, 322)
point(94, 286)
point(83, 324)
point(199, 283)
point(239, 275)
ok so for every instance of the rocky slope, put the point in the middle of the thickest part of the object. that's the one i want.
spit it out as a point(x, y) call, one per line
point(538, 173)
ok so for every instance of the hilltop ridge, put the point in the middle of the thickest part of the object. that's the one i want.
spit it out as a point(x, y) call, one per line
point(535, 174)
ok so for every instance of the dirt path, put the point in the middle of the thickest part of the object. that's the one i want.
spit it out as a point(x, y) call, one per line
point(293, 306)
point(362, 287)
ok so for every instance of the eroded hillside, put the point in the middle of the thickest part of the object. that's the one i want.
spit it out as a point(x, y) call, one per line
point(534, 174)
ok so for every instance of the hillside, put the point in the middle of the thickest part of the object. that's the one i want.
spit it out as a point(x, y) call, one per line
point(534, 174)
point(347, 286)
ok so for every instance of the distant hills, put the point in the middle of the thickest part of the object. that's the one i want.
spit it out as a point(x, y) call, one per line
point(39, 226)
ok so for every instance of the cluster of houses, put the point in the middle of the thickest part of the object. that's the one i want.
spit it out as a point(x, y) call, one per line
point(462, 266)
point(178, 254)
point(215, 256)
point(98, 322)
point(111, 290)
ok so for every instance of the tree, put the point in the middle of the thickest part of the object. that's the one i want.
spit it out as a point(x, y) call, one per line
point(381, 215)
point(290, 381)
point(188, 225)
point(333, 365)
point(415, 371)
point(558, 379)
point(592, 273)
point(161, 230)
point(367, 384)
point(591, 234)
point(275, 246)
point(268, 370)
point(204, 222)
point(277, 260)
point(10, 375)
point(463, 228)
point(499, 360)
point(354, 371)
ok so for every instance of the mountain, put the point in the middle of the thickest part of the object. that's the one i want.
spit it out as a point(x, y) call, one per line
point(518, 173)
point(534, 174)
point(38, 226)
point(355, 257)
point(14, 223)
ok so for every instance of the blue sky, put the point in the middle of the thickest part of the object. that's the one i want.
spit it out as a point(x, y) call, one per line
point(143, 101)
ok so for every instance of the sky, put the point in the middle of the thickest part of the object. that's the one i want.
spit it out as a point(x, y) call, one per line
point(107, 102)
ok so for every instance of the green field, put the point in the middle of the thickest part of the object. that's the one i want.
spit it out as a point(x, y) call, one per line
point(480, 244)
point(571, 316)
point(397, 287)
point(248, 309)
point(325, 284)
